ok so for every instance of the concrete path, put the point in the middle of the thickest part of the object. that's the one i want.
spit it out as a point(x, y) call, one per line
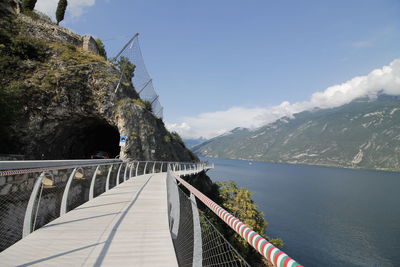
point(126, 226)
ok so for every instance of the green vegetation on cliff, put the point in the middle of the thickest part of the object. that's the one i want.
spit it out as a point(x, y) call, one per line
point(28, 5)
point(102, 49)
point(30, 67)
point(237, 201)
point(19, 56)
point(58, 99)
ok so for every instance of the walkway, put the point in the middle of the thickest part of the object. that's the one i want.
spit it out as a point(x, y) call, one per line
point(125, 226)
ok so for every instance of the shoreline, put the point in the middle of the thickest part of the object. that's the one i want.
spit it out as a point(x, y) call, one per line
point(308, 164)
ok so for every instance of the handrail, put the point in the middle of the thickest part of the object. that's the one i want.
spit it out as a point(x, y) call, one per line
point(265, 248)
point(33, 164)
point(23, 167)
point(101, 174)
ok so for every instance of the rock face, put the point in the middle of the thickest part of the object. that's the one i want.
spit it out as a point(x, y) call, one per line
point(9, 8)
point(68, 107)
point(52, 33)
point(362, 134)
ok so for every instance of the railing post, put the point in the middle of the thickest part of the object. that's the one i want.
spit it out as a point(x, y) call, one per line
point(119, 171)
point(137, 168)
point(130, 170)
point(63, 208)
point(126, 170)
point(108, 178)
point(162, 163)
point(28, 213)
point(154, 165)
point(145, 166)
point(174, 203)
point(91, 190)
point(197, 241)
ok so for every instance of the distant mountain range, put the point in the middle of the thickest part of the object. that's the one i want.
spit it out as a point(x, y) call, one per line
point(362, 134)
point(190, 143)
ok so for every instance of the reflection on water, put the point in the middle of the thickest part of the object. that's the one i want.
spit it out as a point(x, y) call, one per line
point(326, 216)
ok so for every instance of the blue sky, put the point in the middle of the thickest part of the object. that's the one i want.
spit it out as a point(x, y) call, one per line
point(222, 64)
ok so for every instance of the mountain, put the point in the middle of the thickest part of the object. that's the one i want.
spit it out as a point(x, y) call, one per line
point(362, 134)
point(194, 142)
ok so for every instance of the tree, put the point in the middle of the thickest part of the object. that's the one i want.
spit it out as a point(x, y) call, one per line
point(127, 68)
point(238, 202)
point(60, 12)
point(28, 5)
point(102, 49)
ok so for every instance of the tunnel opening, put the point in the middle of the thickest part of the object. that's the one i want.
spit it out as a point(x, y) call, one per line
point(83, 138)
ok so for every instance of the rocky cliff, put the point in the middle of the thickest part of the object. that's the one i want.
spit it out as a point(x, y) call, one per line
point(57, 99)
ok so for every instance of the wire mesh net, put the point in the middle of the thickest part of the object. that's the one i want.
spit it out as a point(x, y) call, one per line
point(196, 240)
point(16, 191)
point(141, 79)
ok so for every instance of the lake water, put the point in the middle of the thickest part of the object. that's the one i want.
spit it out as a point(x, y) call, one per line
point(326, 216)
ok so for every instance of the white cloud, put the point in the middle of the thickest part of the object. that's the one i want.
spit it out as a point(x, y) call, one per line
point(75, 8)
point(210, 124)
point(361, 44)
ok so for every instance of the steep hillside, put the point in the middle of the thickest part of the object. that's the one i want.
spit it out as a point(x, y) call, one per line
point(362, 134)
point(194, 142)
point(57, 99)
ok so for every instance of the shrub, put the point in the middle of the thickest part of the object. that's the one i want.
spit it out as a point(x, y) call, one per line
point(32, 14)
point(177, 138)
point(26, 47)
point(15, 50)
point(28, 5)
point(127, 68)
point(166, 138)
point(102, 49)
point(239, 203)
point(71, 47)
point(139, 102)
point(147, 105)
point(277, 242)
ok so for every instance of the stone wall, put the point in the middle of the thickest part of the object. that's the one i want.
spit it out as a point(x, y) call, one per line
point(53, 33)
point(89, 44)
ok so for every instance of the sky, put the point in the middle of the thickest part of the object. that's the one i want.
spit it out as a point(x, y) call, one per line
point(223, 64)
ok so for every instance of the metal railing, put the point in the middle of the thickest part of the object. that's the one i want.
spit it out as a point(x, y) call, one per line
point(229, 257)
point(33, 193)
point(196, 240)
